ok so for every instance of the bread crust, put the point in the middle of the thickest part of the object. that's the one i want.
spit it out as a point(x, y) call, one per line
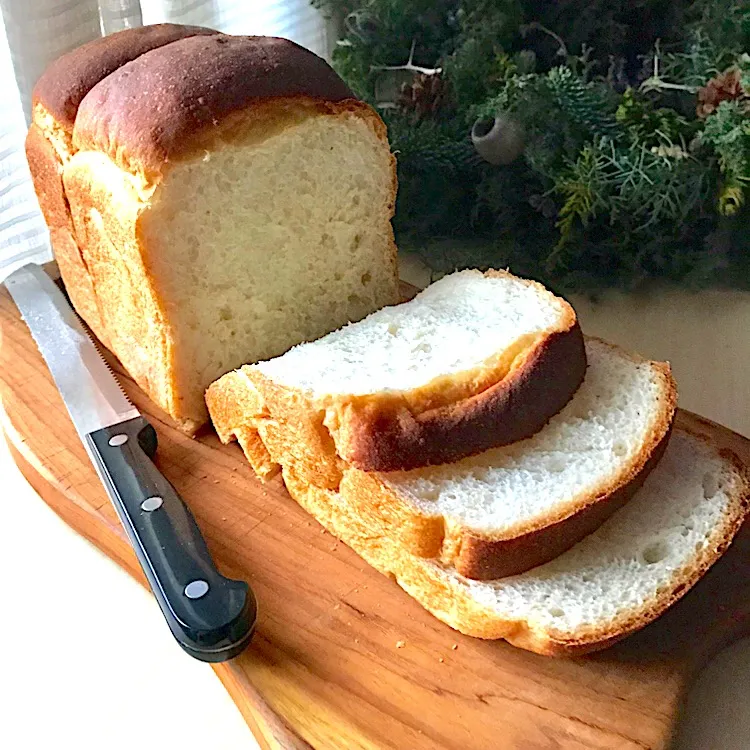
point(46, 169)
point(387, 436)
point(166, 104)
point(64, 84)
point(105, 208)
point(294, 437)
point(451, 601)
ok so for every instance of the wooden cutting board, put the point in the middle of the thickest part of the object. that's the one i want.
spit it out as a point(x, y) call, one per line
point(324, 669)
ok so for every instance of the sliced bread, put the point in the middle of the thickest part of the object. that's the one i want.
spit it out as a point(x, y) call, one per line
point(617, 580)
point(472, 362)
point(501, 512)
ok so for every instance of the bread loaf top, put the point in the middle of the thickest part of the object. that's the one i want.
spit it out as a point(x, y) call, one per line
point(169, 103)
point(65, 83)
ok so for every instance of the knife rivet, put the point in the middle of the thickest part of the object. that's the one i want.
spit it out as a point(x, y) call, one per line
point(152, 503)
point(196, 589)
point(116, 440)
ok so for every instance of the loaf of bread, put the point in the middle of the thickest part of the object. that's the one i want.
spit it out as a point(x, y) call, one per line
point(472, 362)
point(212, 200)
point(503, 511)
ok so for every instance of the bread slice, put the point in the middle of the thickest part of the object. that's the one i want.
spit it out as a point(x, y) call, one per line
point(498, 513)
point(614, 582)
point(474, 361)
point(214, 200)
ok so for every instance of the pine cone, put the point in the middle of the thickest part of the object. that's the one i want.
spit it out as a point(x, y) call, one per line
point(423, 97)
point(726, 87)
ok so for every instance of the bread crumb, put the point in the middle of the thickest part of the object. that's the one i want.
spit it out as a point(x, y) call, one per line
point(400, 644)
point(454, 646)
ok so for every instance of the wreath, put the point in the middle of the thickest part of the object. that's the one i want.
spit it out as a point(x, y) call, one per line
point(585, 143)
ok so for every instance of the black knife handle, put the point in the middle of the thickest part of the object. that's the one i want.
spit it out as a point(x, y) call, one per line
point(211, 617)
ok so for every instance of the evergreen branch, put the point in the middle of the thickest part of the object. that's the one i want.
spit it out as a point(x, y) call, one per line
point(584, 103)
point(727, 133)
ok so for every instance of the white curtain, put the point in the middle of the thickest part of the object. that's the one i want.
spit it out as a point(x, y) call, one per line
point(35, 32)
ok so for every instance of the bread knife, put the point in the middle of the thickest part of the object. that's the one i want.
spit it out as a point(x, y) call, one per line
point(212, 617)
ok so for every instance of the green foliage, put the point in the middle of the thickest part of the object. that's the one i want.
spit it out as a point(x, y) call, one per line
point(727, 133)
point(724, 23)
point(619, 182)
point(651, 125)
point(580, 189)
point(434, 164)
point(381, 32)
point(479, 65)
point(587, 104)
point(696, 61)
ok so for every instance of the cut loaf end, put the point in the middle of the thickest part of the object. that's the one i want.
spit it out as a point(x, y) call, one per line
point(256, 246)
point(213, 200)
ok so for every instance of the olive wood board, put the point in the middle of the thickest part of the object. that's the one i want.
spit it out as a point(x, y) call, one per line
point(342, 657)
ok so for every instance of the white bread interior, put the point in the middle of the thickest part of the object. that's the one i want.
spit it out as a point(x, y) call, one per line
point(458, 325)
point(277, 235)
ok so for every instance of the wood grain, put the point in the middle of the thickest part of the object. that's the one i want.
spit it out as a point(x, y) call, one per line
point(324, 670)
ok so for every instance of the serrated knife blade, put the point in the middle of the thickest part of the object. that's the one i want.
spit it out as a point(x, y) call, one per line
point(212, 617)
point(91, 393)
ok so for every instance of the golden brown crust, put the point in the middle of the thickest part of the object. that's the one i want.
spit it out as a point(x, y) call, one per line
point(453, 604)
point(390, 437)
point(46, 169)
point(296, 440)
point(161, 106)
point(105, 206)
point(65, 83)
